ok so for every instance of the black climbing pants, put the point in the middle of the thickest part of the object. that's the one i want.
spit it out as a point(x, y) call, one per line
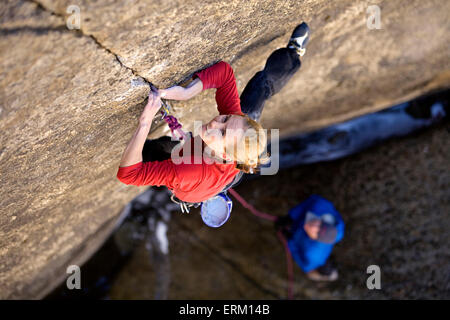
point(280, 67)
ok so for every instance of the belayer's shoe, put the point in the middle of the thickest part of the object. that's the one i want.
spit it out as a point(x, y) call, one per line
point(299, 39)
point(327, 272)
point(317, 276)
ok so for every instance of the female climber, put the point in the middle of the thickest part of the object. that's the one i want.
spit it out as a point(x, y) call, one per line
point(227, 136)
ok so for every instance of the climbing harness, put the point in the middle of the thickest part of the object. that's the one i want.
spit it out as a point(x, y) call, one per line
point(266, 216)
point(185, 206)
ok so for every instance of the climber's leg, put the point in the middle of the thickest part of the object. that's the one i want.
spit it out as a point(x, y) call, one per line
point(158, 149)
point(280, 67)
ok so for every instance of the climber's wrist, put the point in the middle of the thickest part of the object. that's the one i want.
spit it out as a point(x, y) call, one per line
point(147, 118)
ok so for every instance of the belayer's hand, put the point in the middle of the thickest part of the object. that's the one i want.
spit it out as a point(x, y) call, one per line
point(284, 224)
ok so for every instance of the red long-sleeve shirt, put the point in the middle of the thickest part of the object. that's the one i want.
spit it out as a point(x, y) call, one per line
point(193, 182)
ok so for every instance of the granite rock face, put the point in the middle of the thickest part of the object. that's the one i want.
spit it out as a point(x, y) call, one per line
point(70, 100)
point(166, 41)
point(62, 107)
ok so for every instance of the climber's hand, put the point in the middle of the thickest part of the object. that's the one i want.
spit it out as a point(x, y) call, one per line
point(152, 107)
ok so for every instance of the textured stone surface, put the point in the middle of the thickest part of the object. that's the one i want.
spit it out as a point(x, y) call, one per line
point(62, 110)
point(348, 70)
point(69, 100)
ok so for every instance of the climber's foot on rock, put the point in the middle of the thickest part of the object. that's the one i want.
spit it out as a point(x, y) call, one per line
point(299, 39)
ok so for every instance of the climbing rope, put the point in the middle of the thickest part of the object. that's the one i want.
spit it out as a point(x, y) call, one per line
point(289, 265)
point(251, 208)
point(266, 216)
point(172, 122)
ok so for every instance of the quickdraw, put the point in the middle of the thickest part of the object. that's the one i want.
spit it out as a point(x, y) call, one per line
point(171, 121)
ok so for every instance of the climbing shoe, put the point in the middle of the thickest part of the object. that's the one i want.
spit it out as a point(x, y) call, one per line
point(327, 272)
point(317, 276)
point(299, 39)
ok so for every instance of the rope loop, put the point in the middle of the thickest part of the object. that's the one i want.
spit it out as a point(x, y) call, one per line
point(266, 216)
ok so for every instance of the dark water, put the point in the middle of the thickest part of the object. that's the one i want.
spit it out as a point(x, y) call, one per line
point(147, 216)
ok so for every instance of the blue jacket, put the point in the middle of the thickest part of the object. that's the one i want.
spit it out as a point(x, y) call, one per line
point(308, 253)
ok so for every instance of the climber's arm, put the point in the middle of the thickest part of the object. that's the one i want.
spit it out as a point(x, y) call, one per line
point(180, 93)
point(219, 76)
point(133, 151)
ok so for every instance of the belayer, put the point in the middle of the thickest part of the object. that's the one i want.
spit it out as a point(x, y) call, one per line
point(312, 228)
point(148, 162)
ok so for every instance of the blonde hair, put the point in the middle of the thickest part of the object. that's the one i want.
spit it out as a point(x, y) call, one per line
point(249, 151)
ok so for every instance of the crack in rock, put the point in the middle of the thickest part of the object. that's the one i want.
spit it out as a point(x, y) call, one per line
point(117, 57)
